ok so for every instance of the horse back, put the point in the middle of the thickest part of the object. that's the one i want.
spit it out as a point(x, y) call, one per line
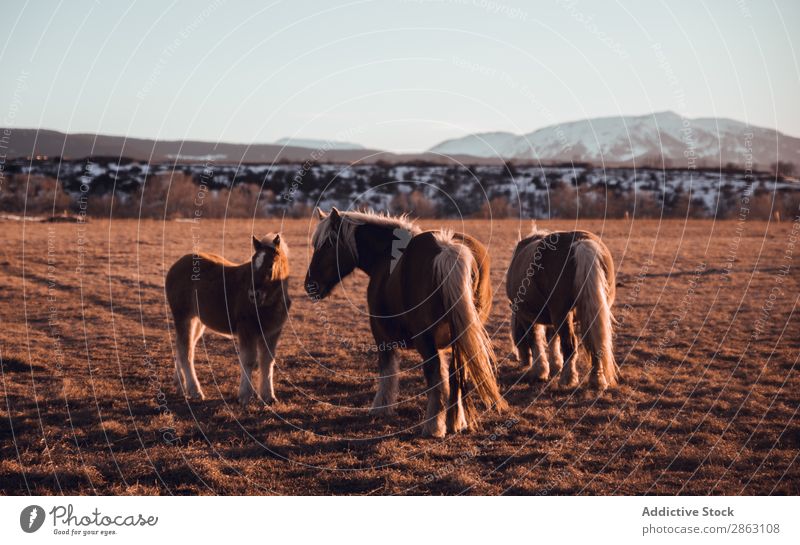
point(207, 286)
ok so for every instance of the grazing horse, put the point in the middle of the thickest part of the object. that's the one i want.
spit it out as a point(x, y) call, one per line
point(553, 278)
point(429, 290)
point(249, 302)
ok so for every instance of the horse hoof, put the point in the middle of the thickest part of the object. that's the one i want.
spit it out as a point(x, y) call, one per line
point(535, 375)
point(269, 400)
point(570, 384)
point(459, 426)
point(598, 383)
point(433, 430)
point(462, 429)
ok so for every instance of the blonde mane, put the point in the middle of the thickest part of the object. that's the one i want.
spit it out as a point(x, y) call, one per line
point(350, 220)
point(280, 268)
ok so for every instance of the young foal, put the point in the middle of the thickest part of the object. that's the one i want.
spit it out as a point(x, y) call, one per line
point(249, 301)
point(554, 276)
point(429, 290)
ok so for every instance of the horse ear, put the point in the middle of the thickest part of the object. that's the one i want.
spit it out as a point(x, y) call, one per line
point(334, 217)
point(319, 214)
point(277, 240)
point(256, 244)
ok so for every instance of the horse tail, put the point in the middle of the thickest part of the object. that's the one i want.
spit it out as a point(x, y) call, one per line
point(473, 356)
point(594, 295)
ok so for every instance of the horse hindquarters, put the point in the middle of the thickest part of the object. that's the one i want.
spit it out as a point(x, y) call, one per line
point(187, 326)
point(472, 353)
point(593, 308)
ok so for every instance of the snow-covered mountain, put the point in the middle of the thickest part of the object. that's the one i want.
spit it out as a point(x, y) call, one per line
point(311, 143)
point(682, 142)
point(487, 144)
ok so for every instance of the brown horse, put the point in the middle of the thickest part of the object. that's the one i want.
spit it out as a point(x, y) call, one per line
point(249, 302)
point(553, 277)
point(429, 290)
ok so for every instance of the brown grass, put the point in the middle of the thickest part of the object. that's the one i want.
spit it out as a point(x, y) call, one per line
point(708, 403)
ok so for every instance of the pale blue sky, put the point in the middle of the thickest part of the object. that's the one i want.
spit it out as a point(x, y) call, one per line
point(398, 75)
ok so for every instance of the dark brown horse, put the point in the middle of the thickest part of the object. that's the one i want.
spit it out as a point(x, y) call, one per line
point(249, 301)
point(429, 290)
point(553, 278)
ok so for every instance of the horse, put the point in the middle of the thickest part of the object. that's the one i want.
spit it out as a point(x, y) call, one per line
point(554, 278)
point(428, 290)
point(248, 301)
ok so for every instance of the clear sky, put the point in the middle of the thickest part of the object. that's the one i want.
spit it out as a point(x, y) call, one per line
point(398, 75)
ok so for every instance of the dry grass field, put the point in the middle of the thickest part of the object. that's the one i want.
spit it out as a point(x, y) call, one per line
point(708, 342)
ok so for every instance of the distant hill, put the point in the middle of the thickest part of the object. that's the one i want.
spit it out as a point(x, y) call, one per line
point(311, 143)
point(623, 140)
point(30, 142)
point(610, 141)
point(24, 143)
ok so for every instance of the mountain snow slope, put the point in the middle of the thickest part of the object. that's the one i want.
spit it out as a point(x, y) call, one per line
point(682, 142)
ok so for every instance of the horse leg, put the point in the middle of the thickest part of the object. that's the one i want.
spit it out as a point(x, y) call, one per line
point(196, 332)
point(182, 338)
point(266, 367)
point(540, 368)
point(597, 378)
point(438, 385)
point(569, 344)
point(385, 402)
point(178, 378)
point(598, 343)
point(186, 339)
point(602, 375)
point(456, 415)
point(519, 330)
point(247, 361)
point(554, 343)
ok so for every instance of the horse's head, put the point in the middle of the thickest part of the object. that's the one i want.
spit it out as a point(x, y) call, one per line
point(334, 253)
point(270, 260)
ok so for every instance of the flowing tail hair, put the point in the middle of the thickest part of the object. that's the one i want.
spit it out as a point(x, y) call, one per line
point(595, 295)
point(473, 356)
